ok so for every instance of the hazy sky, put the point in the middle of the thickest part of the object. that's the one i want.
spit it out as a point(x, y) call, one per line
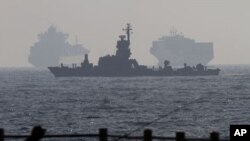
point(97, 23)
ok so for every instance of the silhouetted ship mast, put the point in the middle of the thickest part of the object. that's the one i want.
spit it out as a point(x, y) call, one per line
point(120, 64)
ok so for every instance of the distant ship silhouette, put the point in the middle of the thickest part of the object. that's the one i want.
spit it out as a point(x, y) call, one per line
point(51, 47)
point(120, 64)
point(179, 49)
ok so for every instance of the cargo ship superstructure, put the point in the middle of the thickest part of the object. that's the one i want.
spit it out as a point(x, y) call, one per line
point(179, 49)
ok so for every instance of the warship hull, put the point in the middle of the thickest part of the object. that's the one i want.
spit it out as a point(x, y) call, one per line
point(78, 72)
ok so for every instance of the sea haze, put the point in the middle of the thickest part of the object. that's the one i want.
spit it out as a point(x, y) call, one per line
point(196, 105)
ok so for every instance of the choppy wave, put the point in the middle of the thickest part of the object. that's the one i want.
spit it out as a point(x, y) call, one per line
point(31, 97)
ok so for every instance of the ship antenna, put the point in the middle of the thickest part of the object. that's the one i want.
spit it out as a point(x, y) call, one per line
point(128, 32)
point(173, 31)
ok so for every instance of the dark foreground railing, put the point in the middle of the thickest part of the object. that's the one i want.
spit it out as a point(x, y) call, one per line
point(38, 133)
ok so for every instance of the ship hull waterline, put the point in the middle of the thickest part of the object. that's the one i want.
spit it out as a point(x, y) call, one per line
point(69, 72)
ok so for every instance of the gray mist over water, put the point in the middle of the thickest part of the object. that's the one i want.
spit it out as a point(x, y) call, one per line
point(98, 24)
point(198, 105)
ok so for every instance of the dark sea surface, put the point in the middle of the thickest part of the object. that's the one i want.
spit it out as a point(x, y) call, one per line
point(196, 105)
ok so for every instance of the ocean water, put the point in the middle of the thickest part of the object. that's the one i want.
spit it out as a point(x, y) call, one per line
point(196, 105)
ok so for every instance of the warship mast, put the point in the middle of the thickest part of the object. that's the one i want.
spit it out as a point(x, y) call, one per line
point(127, 29)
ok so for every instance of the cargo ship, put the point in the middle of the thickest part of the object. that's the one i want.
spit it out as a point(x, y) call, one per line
point(179, 49)
point(121, 65)
point(52, 46)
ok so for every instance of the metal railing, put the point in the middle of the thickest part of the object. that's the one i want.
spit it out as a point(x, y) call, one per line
point(38, 133)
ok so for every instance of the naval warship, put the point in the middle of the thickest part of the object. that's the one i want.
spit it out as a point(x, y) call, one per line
point(121, 65)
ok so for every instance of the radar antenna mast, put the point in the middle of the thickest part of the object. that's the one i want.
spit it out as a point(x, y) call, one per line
point(173, 31)
point(127, 29)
